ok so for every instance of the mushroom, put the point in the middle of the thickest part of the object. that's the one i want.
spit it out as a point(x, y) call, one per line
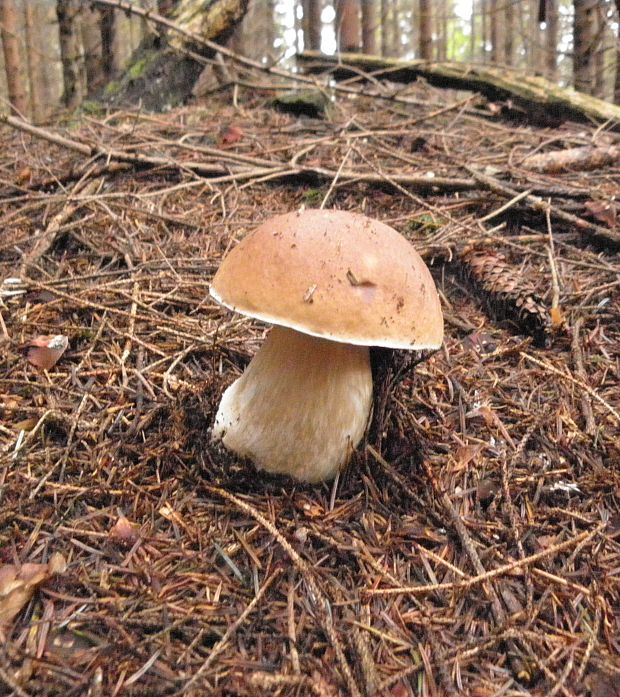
point(333, 284)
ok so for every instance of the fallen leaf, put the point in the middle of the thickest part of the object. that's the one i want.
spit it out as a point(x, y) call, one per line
point(557, 317)
point(25, 425)
point(24, 176)
point(466, 454)
point(229, 135)
point(123, 532)
point(603, 211)
point(18, 584)
point(45, 351)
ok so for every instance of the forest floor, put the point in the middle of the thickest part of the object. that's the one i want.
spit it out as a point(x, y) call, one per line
point(474, 548)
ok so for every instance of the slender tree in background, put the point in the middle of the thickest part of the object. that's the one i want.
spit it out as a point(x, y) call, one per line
point(484, 29)
point(426, 31)
point(91, 40)
point(497, 31)
point(9, 27)
point(369, 21)
point(509, 30)
point(600, 53)
point(551, 39)
point(617, 78)
point(395, 33)
point(312, 24)
point(36, 73)
point(385, 39)
point(348, 30)
point(584, 30)
point(441, 29)
point(109, 54)
point(70, 52)
point(534, 54)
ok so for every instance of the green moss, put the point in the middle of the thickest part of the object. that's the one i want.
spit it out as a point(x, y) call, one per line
point(425, 223)
point(313, 196)
point(113, 87)
point(138, 68)
point(90, 107)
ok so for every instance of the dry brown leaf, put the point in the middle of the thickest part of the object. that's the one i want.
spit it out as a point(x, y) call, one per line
point(25, 425)
point(604, 211)
point(45, 351)
point(229, 135)
point(557, 318)
point(123, 532)
point(18, 584)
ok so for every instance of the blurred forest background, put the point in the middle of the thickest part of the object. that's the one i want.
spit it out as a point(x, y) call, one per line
point(58, 53)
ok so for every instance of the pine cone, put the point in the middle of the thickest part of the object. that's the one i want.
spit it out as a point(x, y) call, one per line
point(506, 294)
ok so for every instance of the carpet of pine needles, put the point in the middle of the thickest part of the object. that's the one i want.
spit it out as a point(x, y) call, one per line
point(472, 549)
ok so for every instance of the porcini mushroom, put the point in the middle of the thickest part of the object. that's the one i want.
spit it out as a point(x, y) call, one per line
point(333, 284)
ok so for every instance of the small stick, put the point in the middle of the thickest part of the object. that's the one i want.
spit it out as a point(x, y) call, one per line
point(488, 575)
point(586, 404)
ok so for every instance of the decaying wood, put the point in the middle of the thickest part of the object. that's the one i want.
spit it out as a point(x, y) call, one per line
point(542, 99)
point(587, 158)
point(164, 69)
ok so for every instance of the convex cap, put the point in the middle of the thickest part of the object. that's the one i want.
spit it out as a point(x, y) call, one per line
point(333, 274)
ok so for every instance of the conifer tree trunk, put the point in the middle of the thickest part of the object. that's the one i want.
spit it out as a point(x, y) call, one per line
point(312, 24)
point(484, 29)
point(551, 39)
point(584, 29)
point(109, 55)
point(32, 26)
point(91, 40)
point(426, 31)
point(369, 43)
point(534, 55)
point(441, 29)
point(9, 28)
point(600, 49)
point(395, 44)
point(509, 29)
point(348, 33)
point(617, 77)
point(497, 31)
point(70, 52)
point(385, 14)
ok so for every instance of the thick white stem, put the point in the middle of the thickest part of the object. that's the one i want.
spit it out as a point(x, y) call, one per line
point(300, 407)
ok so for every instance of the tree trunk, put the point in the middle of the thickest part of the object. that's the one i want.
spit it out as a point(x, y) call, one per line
point(70, 52)
point(534, 54)
point(385, 37)
point(111, 67)
point(12, 60)
point(32, 25)
point(158, 78)
point(396, 46)
point(472, 34)
point(441, 29)
point(348, 25)
point(312, 24)
point(484, 29)
point(509, 29)
point(600, 50)
point(369, 20)
point(552, 38)
point(617, 77)
point(426, 31)
point(584, 29)
point(91, 40)
point(497, 32)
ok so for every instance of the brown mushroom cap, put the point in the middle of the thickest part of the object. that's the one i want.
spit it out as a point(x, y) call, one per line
point(333, 274)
